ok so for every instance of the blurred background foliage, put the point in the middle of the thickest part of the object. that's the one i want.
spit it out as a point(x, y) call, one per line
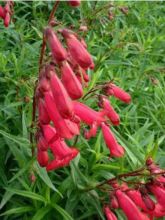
point(129, 48)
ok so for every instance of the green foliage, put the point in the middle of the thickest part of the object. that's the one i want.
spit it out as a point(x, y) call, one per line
point(127, 49)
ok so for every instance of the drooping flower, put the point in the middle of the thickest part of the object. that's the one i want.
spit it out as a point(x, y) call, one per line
point(77, 50)
point(109, 214)
point(49, 133)
point(42, 144)
point(42, 158)
point(60, 124)
point(70, 81)
point(109, 111)
point(117, 92)
point(2, 12)
point(115, 149)
point(86, 114)
point(42, 112)
point(58, 51)
point(158, 192)
point(62, 153)
point(128, 206)
point(61, 97)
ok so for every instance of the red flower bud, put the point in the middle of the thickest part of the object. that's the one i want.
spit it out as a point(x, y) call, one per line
point(136, 197)
point(110, 112)
point(115, 149)
point(148, 202)
point(70, 81)
point(7, 19)
point(50, 133)
point(119, 93)
point(43, 85)
point(2, 12)
point(77, 50)
point(58, 51)
point(62, 153)
point(74, 3)
point(43, 115)
point(128, 206)
point(109, 214)
point(59, 123)
point(159, 193)
point(43, 158)
point(114, 203)
point(61, 97)
point(42, 144)
point(86, 114)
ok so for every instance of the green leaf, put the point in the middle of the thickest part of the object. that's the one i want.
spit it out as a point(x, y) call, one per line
point(18, 210)
point(65, 215)
point(40, 214)
point(27, 194)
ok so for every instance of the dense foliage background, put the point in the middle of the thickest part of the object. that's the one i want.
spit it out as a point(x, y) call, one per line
point(127, 49)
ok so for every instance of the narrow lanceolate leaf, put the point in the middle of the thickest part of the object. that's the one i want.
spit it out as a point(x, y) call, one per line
point(27, 194)
point(41, 213)
point(18, 210)
point(63, 213)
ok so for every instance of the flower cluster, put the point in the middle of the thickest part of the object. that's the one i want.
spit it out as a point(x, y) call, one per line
point(60, 86)
point(143, 202)
point(6, 12)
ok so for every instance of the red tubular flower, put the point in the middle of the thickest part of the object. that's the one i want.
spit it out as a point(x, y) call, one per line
point(59, 123)
point(62, 153)
point(43, 85)
point(77, 50)
point(42, 144)
point(110, 112)
point(2, 12)
point(148, 202)
point(61, 97)
point(109, 214)
point(74, 3)
point(7, 19)
point(158, 212)
point(58, 51)
point(115, 149)
point(136, 197)
point(43, 115)
point(70, 81)
point(50, 133)
point(128, 206)
point(159, 193)
point(86, 114)
point(119, 93)
point(43, 158)
point(114, 203)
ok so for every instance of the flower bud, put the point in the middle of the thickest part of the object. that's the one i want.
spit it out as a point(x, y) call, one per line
point(70, 81)
point(109, 214)
point(117, 92)
point(43, 115)
point(77, 50)
point(86, 114)
point(115, 149)
point(2, 12)
point(43, 158)
point(58, 51)
point(110, 112)
point(61, 97)
point(128, 206)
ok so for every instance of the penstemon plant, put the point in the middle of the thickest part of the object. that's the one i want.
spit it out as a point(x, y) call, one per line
point(60, 116)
